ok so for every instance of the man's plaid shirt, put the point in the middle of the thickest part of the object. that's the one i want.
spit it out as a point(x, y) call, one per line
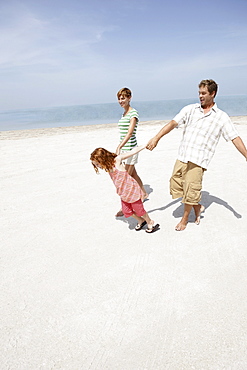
point(201, 133)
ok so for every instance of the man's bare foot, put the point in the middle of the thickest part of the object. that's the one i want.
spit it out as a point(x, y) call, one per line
point(181, 226)
point(198, 210)
point(119, 214)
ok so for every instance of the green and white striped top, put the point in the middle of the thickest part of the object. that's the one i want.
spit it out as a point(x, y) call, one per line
point(123, 125)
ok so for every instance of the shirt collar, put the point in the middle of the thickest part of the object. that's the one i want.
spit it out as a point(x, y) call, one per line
point(214, 107)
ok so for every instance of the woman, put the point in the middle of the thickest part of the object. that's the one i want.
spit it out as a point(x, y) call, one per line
point(127, 127)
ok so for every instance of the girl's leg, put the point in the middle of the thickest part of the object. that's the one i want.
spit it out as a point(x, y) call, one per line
point(132, 172)
point(140, 220)
point(130, 168)
point(148, 220)
point(144, 219)
point(138, 208)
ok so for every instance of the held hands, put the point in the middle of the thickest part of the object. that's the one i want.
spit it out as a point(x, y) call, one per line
point(152, 144)
point(118, 150)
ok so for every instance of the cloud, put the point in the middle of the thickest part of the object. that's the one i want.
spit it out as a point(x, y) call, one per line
point(59, 54)
point(30, 41)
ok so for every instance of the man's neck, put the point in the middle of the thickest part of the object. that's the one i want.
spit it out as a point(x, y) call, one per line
point(207, 108)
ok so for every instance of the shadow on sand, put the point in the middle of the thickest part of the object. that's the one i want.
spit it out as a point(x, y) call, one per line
point(207, 200)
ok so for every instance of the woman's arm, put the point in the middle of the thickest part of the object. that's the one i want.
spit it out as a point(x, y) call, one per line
point(132, 126)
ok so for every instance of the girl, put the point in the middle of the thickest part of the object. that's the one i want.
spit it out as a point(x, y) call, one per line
point(127, 187)
point(127, 128)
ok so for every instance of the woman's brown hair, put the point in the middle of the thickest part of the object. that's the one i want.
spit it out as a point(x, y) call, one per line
point(125, 92)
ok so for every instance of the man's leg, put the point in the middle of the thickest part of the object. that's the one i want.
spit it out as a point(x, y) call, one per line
point(183, 223)
point(177, 179)
point(192, 194)
point(198, 208)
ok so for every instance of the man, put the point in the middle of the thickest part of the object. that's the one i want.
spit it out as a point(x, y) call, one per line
point(203, 124)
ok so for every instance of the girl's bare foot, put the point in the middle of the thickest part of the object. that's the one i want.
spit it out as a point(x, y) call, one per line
point(119, 214)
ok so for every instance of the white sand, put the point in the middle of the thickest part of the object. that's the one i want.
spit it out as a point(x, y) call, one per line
point(82, 290)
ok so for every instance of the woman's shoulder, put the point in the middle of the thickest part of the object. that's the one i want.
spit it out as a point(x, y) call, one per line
point(133, 113)
point(133, 110)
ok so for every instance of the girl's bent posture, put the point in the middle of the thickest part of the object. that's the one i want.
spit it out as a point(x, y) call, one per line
point(127, 187)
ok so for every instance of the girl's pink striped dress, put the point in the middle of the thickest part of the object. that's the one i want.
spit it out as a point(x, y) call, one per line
point(127, 187)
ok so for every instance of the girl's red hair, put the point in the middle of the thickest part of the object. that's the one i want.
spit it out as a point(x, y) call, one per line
point(104, 158)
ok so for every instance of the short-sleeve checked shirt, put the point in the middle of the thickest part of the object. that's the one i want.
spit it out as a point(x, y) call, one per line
point(201, 133)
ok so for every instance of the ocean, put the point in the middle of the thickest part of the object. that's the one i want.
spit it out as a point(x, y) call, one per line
point(81, 115)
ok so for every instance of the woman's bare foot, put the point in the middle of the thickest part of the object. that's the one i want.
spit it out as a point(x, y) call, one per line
point(198, 210)
point(119, 213)
point(144, 196)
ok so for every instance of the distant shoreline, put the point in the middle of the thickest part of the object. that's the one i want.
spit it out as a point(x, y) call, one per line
point(30, 133)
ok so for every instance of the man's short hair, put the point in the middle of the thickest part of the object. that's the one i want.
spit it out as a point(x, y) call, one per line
point(124, 92)
point(211, 85)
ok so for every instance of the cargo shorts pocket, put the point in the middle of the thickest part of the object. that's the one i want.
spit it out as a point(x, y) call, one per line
point(193, 194)
point(176, 187)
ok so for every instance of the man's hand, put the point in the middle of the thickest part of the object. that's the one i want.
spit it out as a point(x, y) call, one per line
point(167, 128)
point(152, 144)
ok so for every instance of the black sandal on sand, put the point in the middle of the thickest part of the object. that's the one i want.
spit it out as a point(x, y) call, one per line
point(153, 229)
point(139, 227)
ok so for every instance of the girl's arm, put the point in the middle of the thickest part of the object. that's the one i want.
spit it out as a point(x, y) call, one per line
point(132, 125)
point(126, 155)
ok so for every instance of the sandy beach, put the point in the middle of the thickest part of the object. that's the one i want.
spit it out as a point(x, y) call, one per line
point(81, 290)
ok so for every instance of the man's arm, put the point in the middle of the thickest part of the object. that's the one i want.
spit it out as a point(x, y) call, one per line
point(238, 142)
point(165, 130)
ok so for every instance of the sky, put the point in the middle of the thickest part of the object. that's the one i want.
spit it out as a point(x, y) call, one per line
point(70, 52)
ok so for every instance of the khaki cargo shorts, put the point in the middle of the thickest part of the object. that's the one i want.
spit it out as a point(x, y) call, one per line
point(186, 182)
